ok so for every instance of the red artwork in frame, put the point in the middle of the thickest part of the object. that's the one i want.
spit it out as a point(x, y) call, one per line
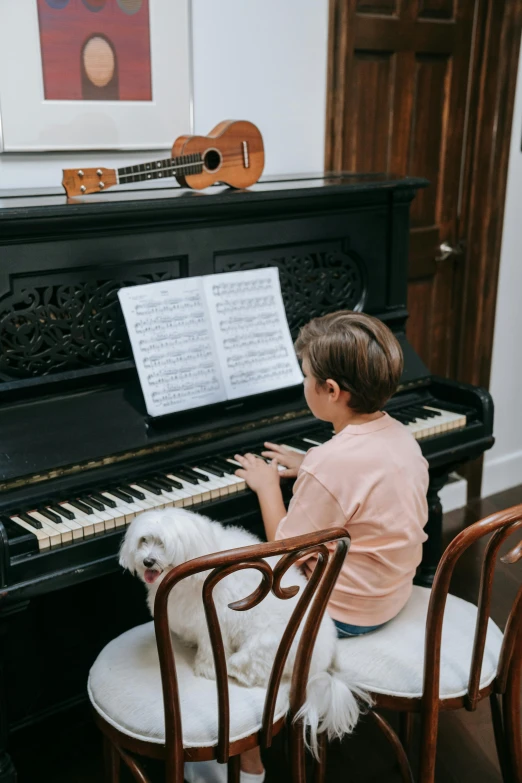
point(95, 49)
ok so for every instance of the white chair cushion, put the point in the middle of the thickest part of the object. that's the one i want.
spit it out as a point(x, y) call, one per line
point(391, 660)
point(125, 689)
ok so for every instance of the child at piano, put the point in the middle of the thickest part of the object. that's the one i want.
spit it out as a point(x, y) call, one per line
point(370, 478)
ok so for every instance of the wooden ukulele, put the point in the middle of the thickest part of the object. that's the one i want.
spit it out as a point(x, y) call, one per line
point(232, 153)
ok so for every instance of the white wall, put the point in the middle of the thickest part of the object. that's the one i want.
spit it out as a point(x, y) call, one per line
point(264, 61)
point(503, 466)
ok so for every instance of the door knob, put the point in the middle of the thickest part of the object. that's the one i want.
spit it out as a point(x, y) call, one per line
point(446, 250)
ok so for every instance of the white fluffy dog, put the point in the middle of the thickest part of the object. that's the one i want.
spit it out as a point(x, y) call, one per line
point(156, 541)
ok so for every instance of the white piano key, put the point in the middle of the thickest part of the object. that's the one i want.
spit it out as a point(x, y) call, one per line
point(200, 493)
point(144, 502)
point(192, 493)
point(311, 441)
point(126, 508)
point(72, 524)
point(86, 521)
point(65, 532)
point(217, 489)
point(109, 519)
point(43, 535)
point(242, 485)
point(293, 448)
point(437, 425)
point(155, 501)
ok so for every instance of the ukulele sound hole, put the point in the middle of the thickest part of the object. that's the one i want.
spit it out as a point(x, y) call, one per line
point(212, 160)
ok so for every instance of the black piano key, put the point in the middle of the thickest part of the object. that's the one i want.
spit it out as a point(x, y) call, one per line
point(172, 483)
point(149, 486)
point(225, 466)
point(419, 413)
point(211, 469)
point(31, 521)
point(193, 473)
point(130, 491)
point(108, 502)
point(405, 418)
point(127, 495)
point(431, 413)
point(81, 506)
point(187, 475)
point(46, 512)
point(92, 502)
point(297, 443)
point(64, 512)
point(161, 482)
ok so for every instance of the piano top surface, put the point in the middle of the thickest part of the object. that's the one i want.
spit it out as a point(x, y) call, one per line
point(25, 201)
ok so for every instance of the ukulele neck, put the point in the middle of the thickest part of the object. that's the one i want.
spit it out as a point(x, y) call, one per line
point(160, 169)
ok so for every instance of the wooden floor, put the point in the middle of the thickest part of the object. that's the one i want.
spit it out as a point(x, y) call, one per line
point(466, 748)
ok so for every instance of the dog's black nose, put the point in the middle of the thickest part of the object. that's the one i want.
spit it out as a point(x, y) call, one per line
point(148, 562)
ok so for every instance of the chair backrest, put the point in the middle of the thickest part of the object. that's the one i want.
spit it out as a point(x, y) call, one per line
point(314, 597)
point(500, 526)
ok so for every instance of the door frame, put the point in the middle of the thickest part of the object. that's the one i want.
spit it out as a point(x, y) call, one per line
point(493, 76)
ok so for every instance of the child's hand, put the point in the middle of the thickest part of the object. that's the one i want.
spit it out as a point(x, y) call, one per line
point(284, 456)
point(258, 474)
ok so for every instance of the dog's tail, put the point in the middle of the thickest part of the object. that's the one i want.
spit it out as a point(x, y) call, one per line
point(333, 705)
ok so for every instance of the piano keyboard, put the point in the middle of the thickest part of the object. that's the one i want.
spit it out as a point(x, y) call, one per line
point(98, 512)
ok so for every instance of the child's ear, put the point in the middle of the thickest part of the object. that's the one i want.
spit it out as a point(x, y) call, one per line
point(333, 389)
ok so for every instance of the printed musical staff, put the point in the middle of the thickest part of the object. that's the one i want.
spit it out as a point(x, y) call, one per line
point(202, 340)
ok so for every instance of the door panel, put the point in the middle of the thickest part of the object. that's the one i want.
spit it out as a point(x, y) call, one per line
point(398, 90)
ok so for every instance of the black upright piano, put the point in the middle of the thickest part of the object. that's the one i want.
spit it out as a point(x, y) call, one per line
point(78, 453)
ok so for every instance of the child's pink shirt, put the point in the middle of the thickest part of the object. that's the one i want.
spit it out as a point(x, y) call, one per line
point(371, 479)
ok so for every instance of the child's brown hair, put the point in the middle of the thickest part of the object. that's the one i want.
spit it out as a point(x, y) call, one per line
point(357, 351)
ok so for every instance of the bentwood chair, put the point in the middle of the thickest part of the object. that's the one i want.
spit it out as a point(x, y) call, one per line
point(443, 653)
point(148, 702)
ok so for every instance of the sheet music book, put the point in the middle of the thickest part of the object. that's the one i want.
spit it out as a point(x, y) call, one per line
point(203, 340)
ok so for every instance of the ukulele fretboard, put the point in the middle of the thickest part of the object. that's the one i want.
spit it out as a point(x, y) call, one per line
point(159, 169)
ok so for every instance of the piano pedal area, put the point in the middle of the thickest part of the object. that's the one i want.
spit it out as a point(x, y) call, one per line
point(103, 510)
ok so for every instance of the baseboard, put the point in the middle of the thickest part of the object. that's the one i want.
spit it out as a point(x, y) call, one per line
point(454, 494)
point(502, 473)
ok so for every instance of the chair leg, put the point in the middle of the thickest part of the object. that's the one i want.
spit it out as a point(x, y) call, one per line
point(500, 740)
point(137, 772)
point(428, 744)
point(320, 763)
point(512, 716)
point(234, 769)
point(406, 730)
point(396, 745)
point(112, 761)
point(297, 753)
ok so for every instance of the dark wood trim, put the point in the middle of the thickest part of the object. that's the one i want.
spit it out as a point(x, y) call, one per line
point(340, 43)
point(492, 98)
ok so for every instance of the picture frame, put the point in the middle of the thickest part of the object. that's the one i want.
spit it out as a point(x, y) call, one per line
point(37, 124)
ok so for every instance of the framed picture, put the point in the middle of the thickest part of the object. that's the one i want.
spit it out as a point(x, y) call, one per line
point(94, 74)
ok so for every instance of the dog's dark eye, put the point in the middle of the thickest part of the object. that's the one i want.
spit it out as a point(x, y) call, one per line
point(143, 540)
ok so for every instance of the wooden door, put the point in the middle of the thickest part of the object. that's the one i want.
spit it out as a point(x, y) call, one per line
point(398, 91)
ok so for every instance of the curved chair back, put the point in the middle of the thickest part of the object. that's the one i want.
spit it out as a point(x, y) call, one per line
point(310, 606)
point(500, 526)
